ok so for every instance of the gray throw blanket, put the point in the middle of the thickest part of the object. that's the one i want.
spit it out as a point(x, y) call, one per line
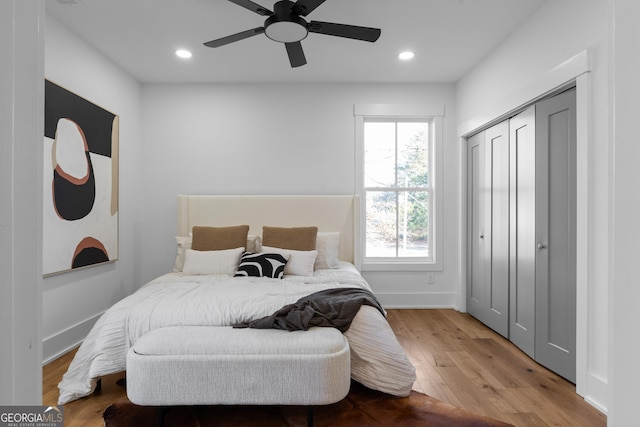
point(334, 308)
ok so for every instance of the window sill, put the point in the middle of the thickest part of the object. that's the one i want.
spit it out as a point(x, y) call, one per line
point(400, 266)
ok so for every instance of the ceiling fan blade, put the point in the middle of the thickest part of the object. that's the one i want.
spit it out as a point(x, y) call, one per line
point(348, 31)
point(305, 7)
point(254, 7)
point(296, 54)
point(235, 37)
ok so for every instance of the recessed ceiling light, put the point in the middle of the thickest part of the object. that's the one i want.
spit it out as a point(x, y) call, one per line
point(406, 55)
point(183, 53)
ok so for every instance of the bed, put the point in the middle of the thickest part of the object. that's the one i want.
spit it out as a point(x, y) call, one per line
point(193, 294)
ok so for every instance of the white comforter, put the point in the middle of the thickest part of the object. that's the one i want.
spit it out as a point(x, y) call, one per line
point(377, 359)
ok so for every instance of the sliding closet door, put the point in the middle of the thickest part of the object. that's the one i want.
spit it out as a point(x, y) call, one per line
point(522, 231)
point(556, 235)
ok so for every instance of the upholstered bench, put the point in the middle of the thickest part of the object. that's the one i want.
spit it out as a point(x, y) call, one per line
point(204, 365)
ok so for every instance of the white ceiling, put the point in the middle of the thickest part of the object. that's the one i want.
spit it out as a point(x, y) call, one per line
point(448, 36)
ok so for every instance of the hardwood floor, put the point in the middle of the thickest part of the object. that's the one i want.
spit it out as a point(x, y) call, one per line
point(462, 362)
point(458, 360)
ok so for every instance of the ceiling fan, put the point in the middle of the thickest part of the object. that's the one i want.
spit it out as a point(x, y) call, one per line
point(287, 25)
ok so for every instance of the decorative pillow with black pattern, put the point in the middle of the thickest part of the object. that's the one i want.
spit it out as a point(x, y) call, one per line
point(261, 265)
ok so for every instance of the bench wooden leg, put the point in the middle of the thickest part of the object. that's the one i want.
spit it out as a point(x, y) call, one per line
point(309, 416)
point(98, 388)
point(162, 410)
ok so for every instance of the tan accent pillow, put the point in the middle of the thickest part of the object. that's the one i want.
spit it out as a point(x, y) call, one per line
point(219, 238)
point(294, 238)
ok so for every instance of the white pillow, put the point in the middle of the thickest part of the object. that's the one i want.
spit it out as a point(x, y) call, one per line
point(300, 262)
point(183, 243)
point(212, 262)
point(253, 245)
point(328, 247)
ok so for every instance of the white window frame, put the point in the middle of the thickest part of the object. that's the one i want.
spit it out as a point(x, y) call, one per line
point(400, 112)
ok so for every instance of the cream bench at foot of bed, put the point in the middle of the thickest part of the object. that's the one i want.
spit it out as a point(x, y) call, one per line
point(207, 365)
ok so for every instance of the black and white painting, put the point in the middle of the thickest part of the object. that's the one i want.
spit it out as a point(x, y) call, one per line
point(80, 218)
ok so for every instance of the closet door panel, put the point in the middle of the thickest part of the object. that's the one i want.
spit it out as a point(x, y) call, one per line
point(497, 244)
point(555, 269)
point(522, 235)
point(475, 227)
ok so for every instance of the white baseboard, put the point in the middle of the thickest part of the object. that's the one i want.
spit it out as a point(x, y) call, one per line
point(58, 344)
point(597, 392)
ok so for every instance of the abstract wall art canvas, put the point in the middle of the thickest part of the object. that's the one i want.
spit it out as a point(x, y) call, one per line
point(80, 218)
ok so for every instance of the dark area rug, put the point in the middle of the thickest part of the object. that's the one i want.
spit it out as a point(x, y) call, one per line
point(362, 407)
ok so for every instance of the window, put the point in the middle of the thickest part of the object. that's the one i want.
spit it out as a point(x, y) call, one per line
point(397, 172)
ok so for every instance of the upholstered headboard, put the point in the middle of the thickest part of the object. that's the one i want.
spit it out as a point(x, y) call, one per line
point(328, 213)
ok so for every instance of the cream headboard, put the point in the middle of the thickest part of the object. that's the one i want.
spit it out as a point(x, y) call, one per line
point(328, 213)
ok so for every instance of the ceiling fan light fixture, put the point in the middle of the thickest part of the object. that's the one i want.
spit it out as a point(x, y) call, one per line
point(286, 31)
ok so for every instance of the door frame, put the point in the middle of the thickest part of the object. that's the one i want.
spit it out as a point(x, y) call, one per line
point(573, 72)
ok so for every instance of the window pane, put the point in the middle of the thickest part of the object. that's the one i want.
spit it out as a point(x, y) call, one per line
point(413, 227)
point(380, 224)
point(379, 154)
point(397, 189)
point(413, 158)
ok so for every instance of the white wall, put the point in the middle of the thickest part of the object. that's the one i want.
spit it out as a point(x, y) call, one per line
point(275, 139)
point(72, 301)
point(625, 207)
point(558, 31)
